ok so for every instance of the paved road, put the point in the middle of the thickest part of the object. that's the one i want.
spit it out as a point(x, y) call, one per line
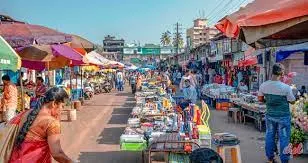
point(94, 137)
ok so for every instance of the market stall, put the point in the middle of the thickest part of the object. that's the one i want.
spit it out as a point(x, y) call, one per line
point(158, 124)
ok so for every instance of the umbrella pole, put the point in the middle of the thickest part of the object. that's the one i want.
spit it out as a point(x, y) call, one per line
point(22, 92)
point(71, 87)
point(81, 82)
point(76, 82)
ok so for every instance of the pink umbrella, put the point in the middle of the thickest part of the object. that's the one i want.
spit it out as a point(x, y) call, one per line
point(20, 34)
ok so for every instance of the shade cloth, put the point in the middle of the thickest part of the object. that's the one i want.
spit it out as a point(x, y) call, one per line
point(284, 52)
point(9, 59)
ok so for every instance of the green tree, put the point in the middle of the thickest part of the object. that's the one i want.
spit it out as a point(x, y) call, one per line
point(165, 39)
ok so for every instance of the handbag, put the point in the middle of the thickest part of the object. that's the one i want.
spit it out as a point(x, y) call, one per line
point(8, 135)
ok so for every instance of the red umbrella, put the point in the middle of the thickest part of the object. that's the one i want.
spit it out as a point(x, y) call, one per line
point(20, 34)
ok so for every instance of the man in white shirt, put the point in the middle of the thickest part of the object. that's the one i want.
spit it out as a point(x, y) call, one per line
point(120, 80)
point(277, 96)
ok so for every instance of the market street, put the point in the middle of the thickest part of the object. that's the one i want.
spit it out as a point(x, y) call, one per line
point(94, 137)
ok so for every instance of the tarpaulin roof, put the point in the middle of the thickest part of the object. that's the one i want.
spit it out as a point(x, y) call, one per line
point(285, 51)
point(263, 13)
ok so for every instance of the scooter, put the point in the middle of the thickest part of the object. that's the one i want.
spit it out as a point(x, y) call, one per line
point(88, 93)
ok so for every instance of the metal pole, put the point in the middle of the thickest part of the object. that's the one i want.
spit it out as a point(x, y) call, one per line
point(22, 92)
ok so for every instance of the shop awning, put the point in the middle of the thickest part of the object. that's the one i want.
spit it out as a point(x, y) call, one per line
point(249, 59)
point(284, 52)
point(267, 19)
point(9, 59)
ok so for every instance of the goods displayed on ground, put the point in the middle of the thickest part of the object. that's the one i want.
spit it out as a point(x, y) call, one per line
point(157, 124)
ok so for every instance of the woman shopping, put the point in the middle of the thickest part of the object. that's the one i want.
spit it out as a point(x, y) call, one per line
point(38, 137)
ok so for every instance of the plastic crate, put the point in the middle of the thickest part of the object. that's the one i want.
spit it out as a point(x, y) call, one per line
point(133, 146)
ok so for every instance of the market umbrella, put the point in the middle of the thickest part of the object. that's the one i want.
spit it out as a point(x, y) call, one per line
point(20, 34)
point(96, 59)
point(80, 44)
point(9, 59)
point(268, 24)
point(40, 57)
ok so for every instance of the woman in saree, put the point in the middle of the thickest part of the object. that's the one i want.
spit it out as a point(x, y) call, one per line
point(38, 138)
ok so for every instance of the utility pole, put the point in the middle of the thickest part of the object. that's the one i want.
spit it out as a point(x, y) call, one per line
point(177, 36)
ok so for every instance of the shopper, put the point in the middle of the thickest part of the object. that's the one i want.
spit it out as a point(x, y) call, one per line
point(277, 97)
point(218, 79)
point(187, 76)
point(9, 100)
point(133, 82)
point(303, 91)
point(190, 93)
point(120, 80)
point(206, 78)
point(39, 137)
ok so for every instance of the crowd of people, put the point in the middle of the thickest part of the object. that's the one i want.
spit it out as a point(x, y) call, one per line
point(40, 126)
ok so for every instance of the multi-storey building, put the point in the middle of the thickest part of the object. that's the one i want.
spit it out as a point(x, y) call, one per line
point(200, 33)
point(113, 45)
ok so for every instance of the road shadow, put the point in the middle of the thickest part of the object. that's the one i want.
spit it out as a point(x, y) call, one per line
point(124, 94)
point(125, 111)
point(110, 157)
point(119, 119)
point(130, 99)
point(111, 135)
point(129, 104)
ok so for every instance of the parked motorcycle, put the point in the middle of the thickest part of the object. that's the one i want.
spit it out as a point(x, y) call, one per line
point(88, 93)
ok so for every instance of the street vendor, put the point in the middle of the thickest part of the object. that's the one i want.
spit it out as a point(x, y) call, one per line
point(277, 96)
point(9, 100)
point(41, 88)
point(242, 88)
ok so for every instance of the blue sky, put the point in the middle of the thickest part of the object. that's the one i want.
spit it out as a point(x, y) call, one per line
point(134, 20)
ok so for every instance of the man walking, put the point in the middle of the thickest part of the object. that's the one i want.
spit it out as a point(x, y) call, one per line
point(277, 97)
point(9, 99)
point(120, 81)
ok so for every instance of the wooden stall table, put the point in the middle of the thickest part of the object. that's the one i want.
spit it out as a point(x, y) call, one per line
point(255, 112)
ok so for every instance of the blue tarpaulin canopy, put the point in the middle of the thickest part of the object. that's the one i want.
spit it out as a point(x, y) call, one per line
point(284, 52)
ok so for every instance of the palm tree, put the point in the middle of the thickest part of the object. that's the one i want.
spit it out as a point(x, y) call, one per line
point(165, 39)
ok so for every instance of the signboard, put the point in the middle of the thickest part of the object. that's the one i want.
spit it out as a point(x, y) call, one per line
point(151, 51)
point(167, 51)
point(129, 50)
